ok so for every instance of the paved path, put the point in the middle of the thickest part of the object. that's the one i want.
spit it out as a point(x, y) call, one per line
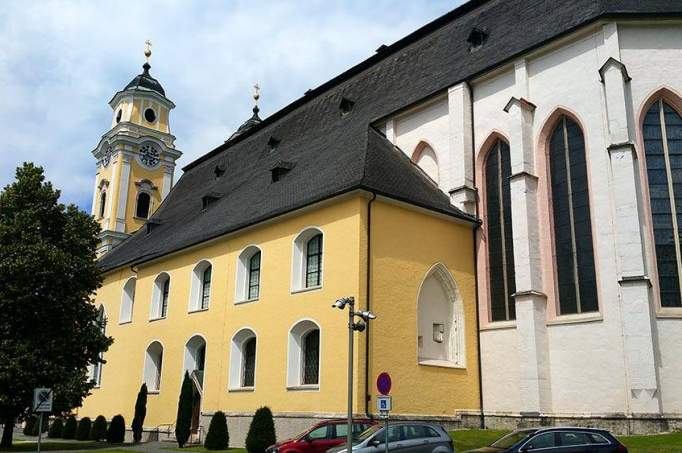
point(152, 447)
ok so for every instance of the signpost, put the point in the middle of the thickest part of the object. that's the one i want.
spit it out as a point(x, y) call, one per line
point(42, 402)
point(384, 401)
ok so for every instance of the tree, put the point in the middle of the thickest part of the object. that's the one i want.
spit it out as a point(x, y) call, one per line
point(261, 432)
point(49, 332)
point(183, 422)
point(56, 428)
point(117, 430)
point(217, 438)
point(84, 427)
point(99, 428)
point(140, 413)
point(70, 428)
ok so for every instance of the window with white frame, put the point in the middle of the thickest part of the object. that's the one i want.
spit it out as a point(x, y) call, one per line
point(195, 359)
point(153, 362)
point(95, 370)
point(304, 355)
point(200, 289)
point(247, 287)
point(243, 360)
point(160, 295)
point(127, 301)
point(307, 260)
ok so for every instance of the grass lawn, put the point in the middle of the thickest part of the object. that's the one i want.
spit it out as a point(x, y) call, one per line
point(203, 449)
point(51, 446)
point(475, 438)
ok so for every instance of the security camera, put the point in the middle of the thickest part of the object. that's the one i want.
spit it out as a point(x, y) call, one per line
point(367, 315)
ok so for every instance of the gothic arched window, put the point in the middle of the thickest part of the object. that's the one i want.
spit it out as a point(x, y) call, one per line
point(662, 131)
point(425, 157)
point(142, 207)
point(574, 252)
point(501, 276)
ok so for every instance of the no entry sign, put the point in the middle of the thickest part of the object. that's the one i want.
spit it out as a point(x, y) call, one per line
point(384, 383)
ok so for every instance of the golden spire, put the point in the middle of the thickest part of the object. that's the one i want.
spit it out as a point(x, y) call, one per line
point(147, 49)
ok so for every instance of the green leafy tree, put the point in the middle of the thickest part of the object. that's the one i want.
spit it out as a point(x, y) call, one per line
point(84, 427)
point(49, 329)
point(261, 432)
point(183, 422)
point(117, 430)
point(99, 428)
point(140, 413)
point(56, 429)
point(70, 428)
point(217, 438)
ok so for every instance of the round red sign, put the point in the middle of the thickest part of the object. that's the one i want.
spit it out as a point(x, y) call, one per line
point(384, 383)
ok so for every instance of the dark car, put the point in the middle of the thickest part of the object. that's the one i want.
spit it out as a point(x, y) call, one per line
point(403, 437)
point(559, 440)
point(320, 437)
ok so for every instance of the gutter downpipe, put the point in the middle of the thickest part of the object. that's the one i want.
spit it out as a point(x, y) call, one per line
point(367, 289)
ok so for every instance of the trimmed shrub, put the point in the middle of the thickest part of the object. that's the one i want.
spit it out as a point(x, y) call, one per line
point(217, 437)
point(99, 428)
point(261, 432)
point(56, 428)
point(30, 426)
point(84, 427)
point(140, 413)
point(183, 422)
point(70, 428)
point(117, 430)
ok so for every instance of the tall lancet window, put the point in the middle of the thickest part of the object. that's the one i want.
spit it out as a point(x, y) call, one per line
point(500, 236)
point(662, 132)
point(574, 252)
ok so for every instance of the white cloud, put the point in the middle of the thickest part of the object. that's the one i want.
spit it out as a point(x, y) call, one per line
point(62, 61)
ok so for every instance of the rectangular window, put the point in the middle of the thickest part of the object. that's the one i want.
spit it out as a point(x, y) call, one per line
point(206, 288)
point(313, 271)
point(254, 276)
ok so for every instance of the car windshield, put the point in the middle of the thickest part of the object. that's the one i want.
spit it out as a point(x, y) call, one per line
point(512, 439)
point(367, 433)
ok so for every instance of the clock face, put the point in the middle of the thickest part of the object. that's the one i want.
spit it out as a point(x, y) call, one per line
point(149, 155)
point(106, 158)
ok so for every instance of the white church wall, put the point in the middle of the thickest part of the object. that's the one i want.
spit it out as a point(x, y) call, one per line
point(500, 371)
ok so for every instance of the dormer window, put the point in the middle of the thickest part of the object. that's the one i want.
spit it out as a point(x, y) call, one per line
point(477, 38)
point(280, 169)
point(272, 144)
point(209, 199)
point(346, 106)
point(151, 224)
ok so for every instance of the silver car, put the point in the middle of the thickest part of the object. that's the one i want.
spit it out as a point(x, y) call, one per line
point(403, 437)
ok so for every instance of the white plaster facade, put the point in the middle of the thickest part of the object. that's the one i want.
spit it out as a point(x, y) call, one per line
point(624, 360)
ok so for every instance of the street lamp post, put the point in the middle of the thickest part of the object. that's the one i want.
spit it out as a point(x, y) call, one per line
point(360, 325)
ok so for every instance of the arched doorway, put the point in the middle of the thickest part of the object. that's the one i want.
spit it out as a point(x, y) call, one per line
point(194, 363)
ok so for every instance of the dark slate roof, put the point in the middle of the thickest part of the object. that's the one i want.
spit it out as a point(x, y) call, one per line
point(332, 153)
point(145, 81)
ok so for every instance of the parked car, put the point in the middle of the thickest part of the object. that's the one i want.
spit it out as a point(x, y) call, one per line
point(320, 437)
point(559, 440)
point(407, 437)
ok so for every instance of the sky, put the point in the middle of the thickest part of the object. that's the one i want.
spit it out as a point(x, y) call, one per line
point(62, 61)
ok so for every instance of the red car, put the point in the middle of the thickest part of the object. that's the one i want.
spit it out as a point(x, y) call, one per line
point(320, 437)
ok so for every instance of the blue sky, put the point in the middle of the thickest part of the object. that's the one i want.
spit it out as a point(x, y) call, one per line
point(62, 61)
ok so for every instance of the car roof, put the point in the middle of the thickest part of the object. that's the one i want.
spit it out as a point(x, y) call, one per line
point(571, 428)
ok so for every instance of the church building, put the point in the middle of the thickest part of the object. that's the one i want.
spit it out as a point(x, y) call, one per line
point(499, 187)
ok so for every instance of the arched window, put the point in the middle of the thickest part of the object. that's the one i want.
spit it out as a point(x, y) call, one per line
point(243, 360)
point(195, 359)
point(304, 355)
point(127, 301)
point(440, 311)
point(200, 292)
point(152, 366)
point(574, 254)
point(102, 203)
point(307, 260)
point(662, 131)
point(425, 157)
point(96, 368)
point(142, 207)
point(501, 276)
point(247, 288)
point(160, 293)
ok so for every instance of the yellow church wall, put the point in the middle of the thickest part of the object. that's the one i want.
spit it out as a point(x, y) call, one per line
point(103, 174)
point(137, 174)
point(406, 244)
point(271, 317)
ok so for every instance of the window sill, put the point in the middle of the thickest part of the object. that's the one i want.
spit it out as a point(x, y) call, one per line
point(241, 389)
point(440, 364)
point(305, 290)
point(153, 392)
point(576, 319)
point(669, 312)
point(304, 388)
point(246, 301)
point(141, 219)
point(156, 319)
point(197, 310)
point(499, 325)
point(122, 323)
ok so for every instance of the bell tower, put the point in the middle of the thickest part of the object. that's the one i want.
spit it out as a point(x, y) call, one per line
point(135, 159)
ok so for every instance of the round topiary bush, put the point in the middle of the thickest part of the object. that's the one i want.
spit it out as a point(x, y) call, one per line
point(70, 428)
point(30, 426)
point(84, 427)
point(56, 429)
point(217, 437)
point(99, 428)
point(117, 430)
point(261, 432)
